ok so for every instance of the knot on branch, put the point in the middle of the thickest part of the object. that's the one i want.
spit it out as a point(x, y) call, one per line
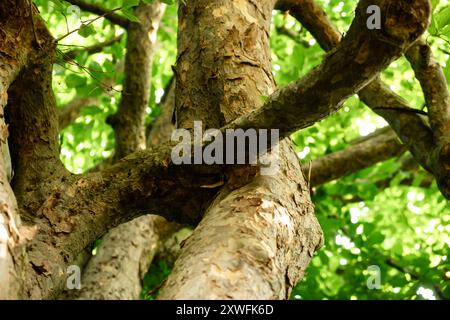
point(405, 20)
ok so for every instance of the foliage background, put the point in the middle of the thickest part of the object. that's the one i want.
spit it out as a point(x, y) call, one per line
point(404, 230)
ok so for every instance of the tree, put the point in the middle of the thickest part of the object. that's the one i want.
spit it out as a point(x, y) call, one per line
point(253, 234)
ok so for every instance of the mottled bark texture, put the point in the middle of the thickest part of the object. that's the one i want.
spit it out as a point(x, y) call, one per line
point(126, 252)
point(435, 89)
point(16, 43)
point(428, 143)
point(62, 213)
point(260, 231)
point(345, 70)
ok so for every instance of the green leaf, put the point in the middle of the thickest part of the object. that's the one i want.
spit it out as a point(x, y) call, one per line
point(129, 14)
point(443, 17)
point(130, 3)
point(86, 30)
point(74, 80)
point(375, 238)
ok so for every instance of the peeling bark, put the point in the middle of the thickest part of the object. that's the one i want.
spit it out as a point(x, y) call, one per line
point(15, 45)
point(125, 252)
point(346, 69)
point(258, 236)
point(254, 242)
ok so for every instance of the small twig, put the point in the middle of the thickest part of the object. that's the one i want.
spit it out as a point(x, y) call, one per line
point(87, 24)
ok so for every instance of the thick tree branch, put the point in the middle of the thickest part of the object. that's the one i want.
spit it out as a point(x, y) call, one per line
point(410, 127)
point(314, 19)
point(123, 258)
point(261, 258)
point(99, 10)
point(32, 118)
point(435, 88)
point(345, 71)
point(116, 271)
point(96, 48)
point(129, 121)
point(354, 158)
point(14, 52)
point(260, 230)
point(262, 235)
point(148, 168)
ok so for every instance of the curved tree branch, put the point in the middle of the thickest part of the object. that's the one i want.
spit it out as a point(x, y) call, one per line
point(96, 48)
point(346, 69)
point(354, 158)
point(410, 126)
point(129, 122)
point(435, 89)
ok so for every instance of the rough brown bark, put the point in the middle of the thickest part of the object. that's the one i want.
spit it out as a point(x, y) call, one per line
point(16, 44)
point(435, 89)
point(268, 231)
point(260, 232)
point(125, 252)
